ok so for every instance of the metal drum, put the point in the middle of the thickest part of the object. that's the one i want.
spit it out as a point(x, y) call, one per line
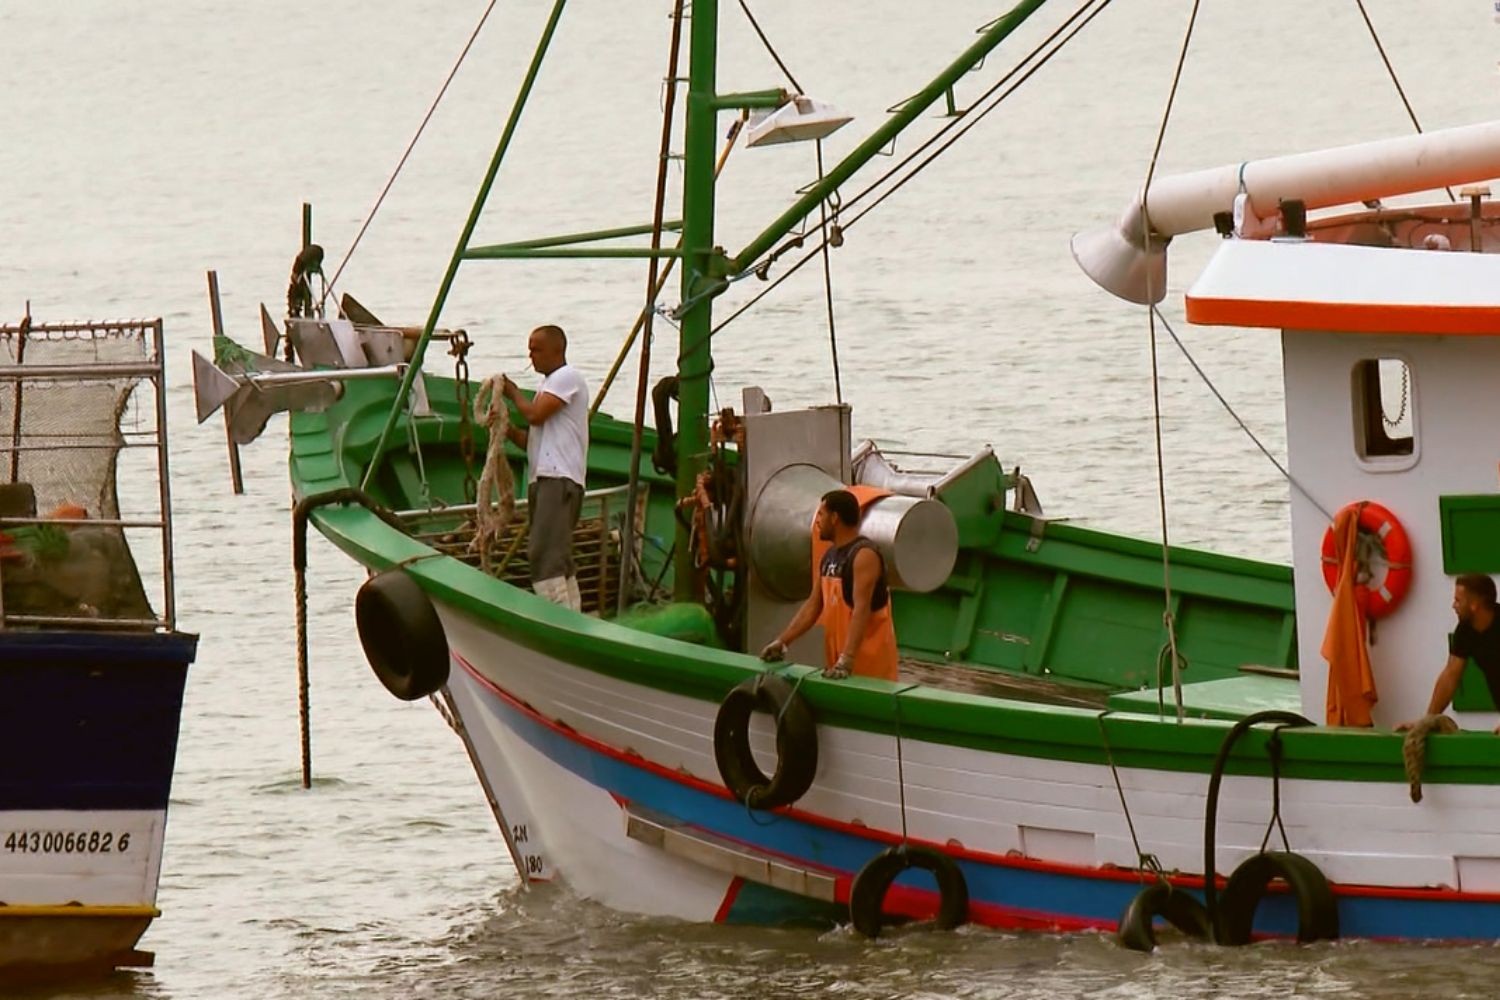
point(917, 537)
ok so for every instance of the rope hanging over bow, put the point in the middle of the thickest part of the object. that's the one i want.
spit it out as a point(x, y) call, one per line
point(495, 497)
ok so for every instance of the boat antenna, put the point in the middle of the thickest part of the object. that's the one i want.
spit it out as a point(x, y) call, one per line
point(1167, 617)
point(328, 288)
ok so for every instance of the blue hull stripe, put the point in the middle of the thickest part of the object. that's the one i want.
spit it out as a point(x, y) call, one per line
point(1000, 894)
point(89, 721)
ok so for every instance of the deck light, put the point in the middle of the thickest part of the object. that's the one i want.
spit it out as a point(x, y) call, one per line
point(798, 120)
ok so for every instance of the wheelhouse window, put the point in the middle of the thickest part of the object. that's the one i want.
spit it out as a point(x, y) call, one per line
point(1385, 412)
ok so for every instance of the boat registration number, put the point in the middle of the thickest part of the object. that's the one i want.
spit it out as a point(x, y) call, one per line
point(67, 842)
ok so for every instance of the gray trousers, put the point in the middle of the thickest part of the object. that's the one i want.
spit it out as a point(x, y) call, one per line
point(554, 505)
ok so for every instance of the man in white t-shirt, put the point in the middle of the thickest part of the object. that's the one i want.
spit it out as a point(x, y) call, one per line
point(557, 446)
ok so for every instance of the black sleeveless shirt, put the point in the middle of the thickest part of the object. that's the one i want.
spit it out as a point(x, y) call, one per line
point(839, 561)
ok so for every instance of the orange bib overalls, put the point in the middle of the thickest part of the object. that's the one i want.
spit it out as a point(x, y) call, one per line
point(876, 655)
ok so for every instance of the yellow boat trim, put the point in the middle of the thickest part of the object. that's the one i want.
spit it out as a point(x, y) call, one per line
point(149, 912)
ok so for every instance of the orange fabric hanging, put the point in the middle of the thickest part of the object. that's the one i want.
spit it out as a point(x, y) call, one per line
point(1351, 682)
point(877, 655)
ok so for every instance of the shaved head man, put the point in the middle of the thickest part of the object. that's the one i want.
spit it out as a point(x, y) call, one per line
point(556, 440)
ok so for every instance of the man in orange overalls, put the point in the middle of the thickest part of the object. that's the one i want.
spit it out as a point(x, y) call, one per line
point(850, 599)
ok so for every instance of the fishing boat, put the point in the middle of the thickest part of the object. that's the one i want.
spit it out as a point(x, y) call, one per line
point(93, 663)
point(1087, 731)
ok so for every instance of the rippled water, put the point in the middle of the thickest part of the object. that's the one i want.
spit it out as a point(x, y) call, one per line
point(141, 143)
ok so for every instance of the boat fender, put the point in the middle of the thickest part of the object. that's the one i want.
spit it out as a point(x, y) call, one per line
point(1317, 911)
point(796, 743)
point(1177, 907)
point(401, 635)
point(1377, 598)
point(867, 894)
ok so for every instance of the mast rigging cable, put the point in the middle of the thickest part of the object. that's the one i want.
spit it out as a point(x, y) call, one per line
point(328, 288)
point(959, 125)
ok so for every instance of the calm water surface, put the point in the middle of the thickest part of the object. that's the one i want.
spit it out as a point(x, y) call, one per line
point(145, 142)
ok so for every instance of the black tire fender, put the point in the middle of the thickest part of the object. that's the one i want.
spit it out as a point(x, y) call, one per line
point(796, 743)
point(1317, 910)
point(402, 637)
point(867, 894)
point(1177, 907)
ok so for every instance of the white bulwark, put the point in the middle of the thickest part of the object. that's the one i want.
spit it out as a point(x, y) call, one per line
point(1391, 360)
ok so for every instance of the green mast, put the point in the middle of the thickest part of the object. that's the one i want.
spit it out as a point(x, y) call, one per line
point(694, 359)
point(705, 267)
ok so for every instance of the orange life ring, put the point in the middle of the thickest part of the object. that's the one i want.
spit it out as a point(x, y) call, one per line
point(1377, 597)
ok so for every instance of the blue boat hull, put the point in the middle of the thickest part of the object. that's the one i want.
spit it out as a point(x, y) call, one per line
point(88, 733)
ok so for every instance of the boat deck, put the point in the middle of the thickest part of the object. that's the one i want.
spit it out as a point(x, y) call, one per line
point(1224, 698)
point(451, 531)
point(994, 683)
point(1221, 698)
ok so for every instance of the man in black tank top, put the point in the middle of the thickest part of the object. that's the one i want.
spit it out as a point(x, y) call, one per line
point(1476, 637)
point(850, 600)
point(839, 561)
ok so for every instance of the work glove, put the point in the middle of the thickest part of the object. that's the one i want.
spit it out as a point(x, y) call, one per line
point(840, 668)
point(774, 652)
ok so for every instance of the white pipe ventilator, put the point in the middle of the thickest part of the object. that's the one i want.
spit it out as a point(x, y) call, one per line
point(1129, 258)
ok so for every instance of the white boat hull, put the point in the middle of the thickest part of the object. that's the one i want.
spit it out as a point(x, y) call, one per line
point(569, 754)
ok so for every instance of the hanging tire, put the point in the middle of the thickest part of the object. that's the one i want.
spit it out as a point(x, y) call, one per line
point(1317, 911)
point(401, 635)
point(1177, 907)
point(867, 894)
point(796, 743)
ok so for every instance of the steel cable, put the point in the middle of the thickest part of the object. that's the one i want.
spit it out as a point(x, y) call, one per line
point(328, 288)
point(1167, 617)
point(960, 126)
